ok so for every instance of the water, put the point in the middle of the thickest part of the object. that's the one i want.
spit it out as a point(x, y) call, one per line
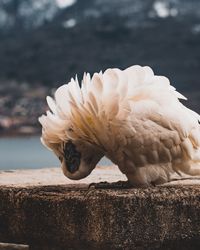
point(27, 153)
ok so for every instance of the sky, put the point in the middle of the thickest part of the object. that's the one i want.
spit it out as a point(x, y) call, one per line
point(65, 3)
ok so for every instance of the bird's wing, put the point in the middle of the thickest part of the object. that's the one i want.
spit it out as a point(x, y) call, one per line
point(170, 126)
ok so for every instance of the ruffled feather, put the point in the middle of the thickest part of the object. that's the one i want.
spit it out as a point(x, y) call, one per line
point(107, 101)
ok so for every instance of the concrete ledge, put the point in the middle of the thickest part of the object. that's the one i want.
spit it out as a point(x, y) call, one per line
point(7, 246)
point(69, 216)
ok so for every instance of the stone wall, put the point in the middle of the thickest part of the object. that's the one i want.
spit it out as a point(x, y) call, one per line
point(73, 216)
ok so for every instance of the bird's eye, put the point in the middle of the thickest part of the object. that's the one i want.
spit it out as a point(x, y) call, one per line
point(72, 157)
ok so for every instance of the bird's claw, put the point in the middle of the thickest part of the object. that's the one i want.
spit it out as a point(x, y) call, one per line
point(110, 185)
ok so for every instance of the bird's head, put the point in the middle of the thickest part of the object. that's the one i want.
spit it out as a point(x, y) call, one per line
point(78, 158)
point(70, 129)
point(85, 123)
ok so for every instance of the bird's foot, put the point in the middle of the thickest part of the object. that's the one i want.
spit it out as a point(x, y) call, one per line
point(110, 185)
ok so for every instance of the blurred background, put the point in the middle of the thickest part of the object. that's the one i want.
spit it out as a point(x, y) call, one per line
point(43, 43)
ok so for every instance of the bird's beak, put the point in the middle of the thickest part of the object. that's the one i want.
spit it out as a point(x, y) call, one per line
point(82, 172)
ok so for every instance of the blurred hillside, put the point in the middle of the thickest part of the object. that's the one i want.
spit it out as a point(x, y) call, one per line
point(42, 43)
point(46, 42)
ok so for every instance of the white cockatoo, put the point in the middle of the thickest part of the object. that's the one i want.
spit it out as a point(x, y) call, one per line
point(132, 117)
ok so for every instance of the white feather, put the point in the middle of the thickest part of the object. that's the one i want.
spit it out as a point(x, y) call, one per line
point(134, 116)
point(52, 105)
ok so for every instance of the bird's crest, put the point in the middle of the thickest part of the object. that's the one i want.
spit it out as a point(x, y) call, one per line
point(100, 105)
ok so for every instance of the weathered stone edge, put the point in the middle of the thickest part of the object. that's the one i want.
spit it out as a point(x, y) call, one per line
point(77, 218)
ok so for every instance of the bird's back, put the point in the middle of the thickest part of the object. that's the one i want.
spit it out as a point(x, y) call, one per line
point(160, 136)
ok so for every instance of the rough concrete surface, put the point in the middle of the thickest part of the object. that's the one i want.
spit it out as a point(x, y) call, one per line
point(61, 214)
point(54, 176)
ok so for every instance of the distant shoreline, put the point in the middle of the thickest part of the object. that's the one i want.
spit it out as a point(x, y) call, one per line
point(16, 134)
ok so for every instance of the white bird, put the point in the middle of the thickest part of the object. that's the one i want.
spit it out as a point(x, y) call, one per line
point(132, 117)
